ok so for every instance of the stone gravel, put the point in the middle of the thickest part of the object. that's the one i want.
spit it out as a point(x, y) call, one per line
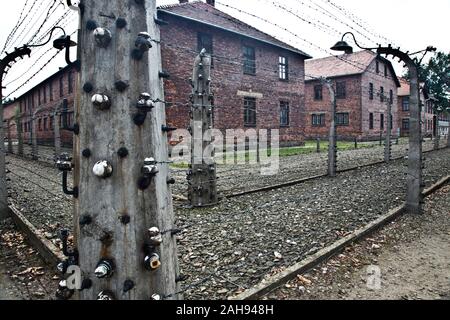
point(234, 245)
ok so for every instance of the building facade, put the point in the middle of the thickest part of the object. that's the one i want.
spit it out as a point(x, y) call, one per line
point(428, 118)
point(38, 108)
point(257, 80)
point(364, 85)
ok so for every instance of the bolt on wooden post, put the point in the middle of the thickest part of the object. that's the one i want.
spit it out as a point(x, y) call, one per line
point(202, 180)
point(124, 221)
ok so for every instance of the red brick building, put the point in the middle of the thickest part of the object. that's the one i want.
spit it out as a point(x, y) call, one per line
point(427, 114)
point(364, 84)
point(40, 104)
point(257, 80)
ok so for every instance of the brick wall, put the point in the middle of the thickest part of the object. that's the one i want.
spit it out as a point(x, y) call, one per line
point(229, 84)
point(427, 116)
point(45, 97)
point(375, 106)
point(351, 104)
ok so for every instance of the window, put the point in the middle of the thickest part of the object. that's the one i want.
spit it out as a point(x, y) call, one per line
point(283, 68)
point(405, 104)
point(405, 124)
point(340, 90)
point(381, 121)
point(61, 86)
point(40, 124)
point(205, 41)
point(249, 111)
point(70, 80)
point(377, 66)
point(318, 120)
point(249, 60)
point(45, 124)
point(371, 91)
point(371, 121)
point(381, 94)
point(51, 123)
point(318, 92)
point(284, 113)
point(385, 70)
point(391, 96)
point(342, 119)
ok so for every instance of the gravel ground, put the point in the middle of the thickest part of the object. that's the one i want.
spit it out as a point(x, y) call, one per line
point(23, 275)
point(412, 253)
point(291, 168)
point(232, 246)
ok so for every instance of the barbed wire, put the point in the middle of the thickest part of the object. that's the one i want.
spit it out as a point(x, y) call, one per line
point(35, 74)
point(45, 20)
point(27, 28)
point(356, 20)
point(18, 24)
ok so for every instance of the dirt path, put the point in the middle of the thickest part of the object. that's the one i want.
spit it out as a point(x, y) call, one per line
point(412, 254)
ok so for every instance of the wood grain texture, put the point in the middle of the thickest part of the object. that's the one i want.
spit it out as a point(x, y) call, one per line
point(104, 132)
point(202, 188)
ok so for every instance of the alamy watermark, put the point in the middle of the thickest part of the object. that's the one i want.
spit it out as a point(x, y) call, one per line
point(230, 146)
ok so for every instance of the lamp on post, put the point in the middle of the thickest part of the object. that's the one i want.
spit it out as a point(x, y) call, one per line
point(63, 42)
point(414, 197)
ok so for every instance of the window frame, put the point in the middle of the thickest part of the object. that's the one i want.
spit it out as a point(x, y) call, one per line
point(341, 90)
point(405, 120)
point(318, 119)
point(249, 64)
point(382, 121)
point(250, 107)
point(381, 94)
point(371, 91)
point(320, 97)
point(344, 121)
point(285, 106)
point(405, 99)
point(283, 68)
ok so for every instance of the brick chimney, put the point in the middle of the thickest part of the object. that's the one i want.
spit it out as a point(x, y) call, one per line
point(184, 1)
point(211, 2)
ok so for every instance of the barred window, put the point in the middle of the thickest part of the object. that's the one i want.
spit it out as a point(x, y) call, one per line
point(405, 124)
point(249, 111)
point(318, 95)
point(342, 119)
point(405, 104)
point(318, 120)
point(249, 60)
point(340, 90)
point(283, 68)
point(284, 113)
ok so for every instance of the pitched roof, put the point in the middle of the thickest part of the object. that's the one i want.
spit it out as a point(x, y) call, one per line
point(404, 89)
point(344, 65)
point(204, 13)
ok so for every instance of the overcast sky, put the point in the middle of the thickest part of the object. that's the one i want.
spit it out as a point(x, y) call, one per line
point(411, 24)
